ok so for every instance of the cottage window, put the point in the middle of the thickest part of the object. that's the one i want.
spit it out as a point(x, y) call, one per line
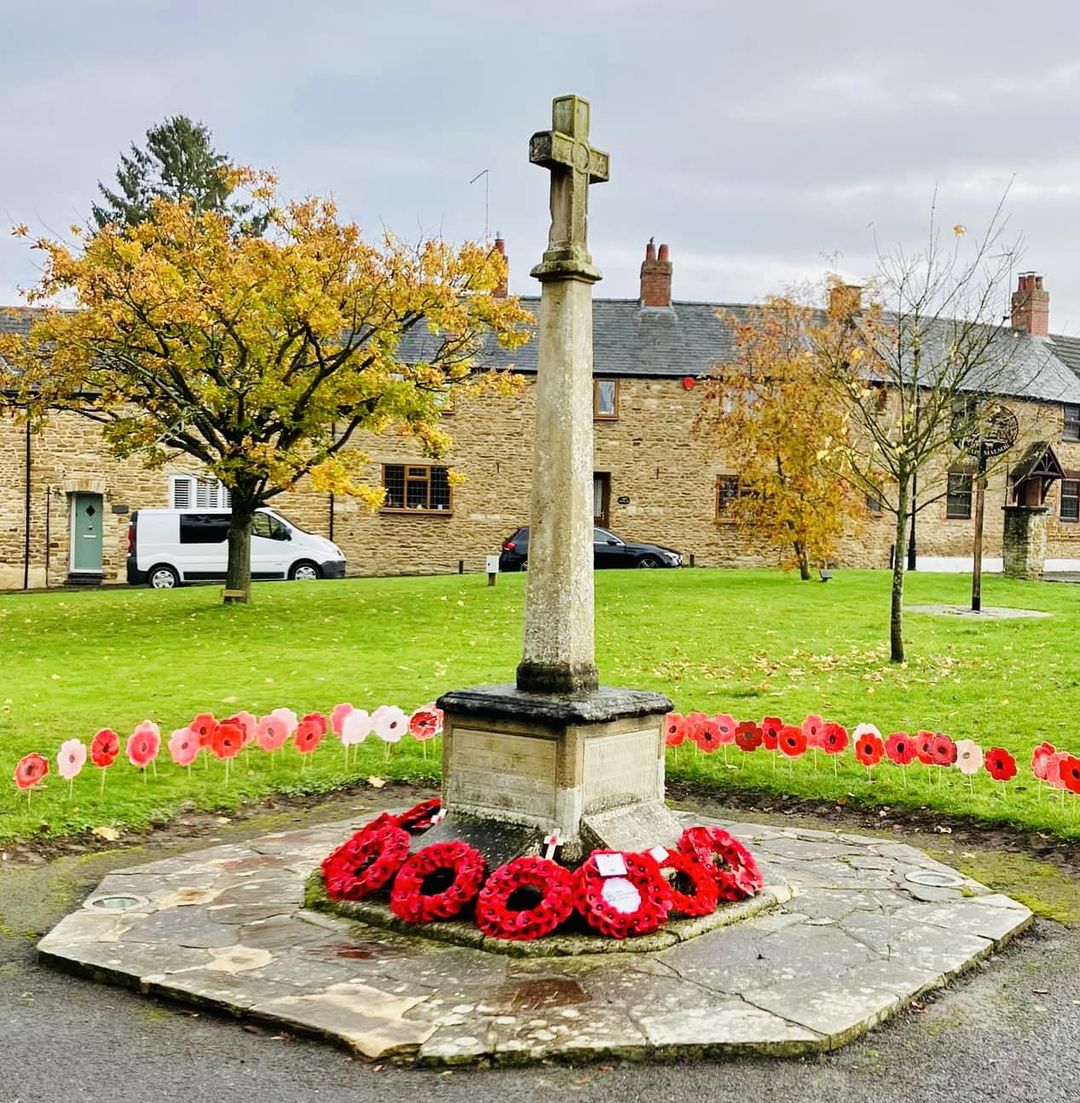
point(196, 492)
point(605, 399)
point(958, 500)
point(419, 487)
point(1070, 499)
point(1071, 427)
point(873, 504)
point(727, 490)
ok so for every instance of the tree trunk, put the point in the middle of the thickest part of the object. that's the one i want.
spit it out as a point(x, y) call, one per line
point(896, 611)
point(238, 572)
point(804, 560)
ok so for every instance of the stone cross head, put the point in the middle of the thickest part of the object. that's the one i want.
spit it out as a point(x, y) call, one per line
point(574, 165)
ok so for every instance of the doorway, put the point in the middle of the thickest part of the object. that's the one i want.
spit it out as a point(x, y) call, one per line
point(601, 493)
point(87, 534)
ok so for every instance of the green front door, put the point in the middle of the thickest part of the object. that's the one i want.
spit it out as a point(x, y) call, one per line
point(87, 527)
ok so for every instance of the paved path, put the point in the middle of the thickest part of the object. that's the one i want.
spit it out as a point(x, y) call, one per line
point(1010, 1032)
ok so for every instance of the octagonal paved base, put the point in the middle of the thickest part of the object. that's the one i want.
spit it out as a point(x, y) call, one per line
point(227, 928)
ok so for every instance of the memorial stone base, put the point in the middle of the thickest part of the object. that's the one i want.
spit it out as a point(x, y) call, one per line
point(518, 765)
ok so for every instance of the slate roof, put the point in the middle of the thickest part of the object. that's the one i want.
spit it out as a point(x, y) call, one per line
point(1066, 349)
point(691, 337)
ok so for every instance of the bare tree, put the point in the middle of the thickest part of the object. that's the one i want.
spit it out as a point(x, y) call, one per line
point(915, 364)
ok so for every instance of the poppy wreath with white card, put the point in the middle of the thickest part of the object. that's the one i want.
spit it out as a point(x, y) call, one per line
point(621, 894)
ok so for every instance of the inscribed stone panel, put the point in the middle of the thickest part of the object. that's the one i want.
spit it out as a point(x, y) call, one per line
point(621, 768)
point(499, 771)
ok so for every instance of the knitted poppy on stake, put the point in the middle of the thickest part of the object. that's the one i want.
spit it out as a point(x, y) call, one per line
point(900, 748)
point(792, 741)
point(525, 899)
point(635, 900)
point(703, 732)
point(770, 732)
point(437, 882)
point(731, 864)
point(1000, 765)
point(943, 750)
point(748, 736)
point(674, 729)
point(366, 862)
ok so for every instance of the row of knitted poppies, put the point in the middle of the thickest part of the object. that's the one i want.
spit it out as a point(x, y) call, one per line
point(1058, 769)
point(225, 739)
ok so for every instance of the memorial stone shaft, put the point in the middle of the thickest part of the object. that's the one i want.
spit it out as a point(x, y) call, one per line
point(559, 644)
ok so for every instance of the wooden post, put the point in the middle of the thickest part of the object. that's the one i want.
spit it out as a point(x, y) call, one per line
point(980, 502)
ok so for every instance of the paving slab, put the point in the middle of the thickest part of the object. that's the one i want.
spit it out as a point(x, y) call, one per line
point(842, 941)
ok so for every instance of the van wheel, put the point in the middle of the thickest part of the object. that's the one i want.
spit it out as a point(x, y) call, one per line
point(304, 571)
point(524, 565)
point(163, 577)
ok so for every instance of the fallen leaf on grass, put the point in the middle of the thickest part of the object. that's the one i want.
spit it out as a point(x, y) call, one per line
point(376, 782)
point(109, 834)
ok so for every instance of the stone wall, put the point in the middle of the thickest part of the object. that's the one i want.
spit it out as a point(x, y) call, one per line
point(663, 490)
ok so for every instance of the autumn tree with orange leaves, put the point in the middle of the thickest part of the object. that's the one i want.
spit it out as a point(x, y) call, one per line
point(260, 357)
point(780, 426)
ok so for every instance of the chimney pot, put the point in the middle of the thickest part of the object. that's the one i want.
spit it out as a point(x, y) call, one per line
point(1031, 305)
point(845, 300)
point(502, 289)
point(656, 277)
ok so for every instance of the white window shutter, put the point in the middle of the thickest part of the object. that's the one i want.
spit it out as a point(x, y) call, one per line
point(180, 494)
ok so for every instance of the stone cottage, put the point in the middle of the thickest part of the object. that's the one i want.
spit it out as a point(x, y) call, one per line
point(65, 503)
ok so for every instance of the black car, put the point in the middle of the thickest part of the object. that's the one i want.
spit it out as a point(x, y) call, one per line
point(608, 551)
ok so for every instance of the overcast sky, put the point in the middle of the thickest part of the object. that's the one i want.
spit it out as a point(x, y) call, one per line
point(760, 141)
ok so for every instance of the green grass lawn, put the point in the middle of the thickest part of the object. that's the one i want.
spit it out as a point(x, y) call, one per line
point(746, 642)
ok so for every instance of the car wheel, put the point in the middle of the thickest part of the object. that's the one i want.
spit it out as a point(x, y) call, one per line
point(163, 577)
point(524, 565)
point(304, 571)
point(648, 561)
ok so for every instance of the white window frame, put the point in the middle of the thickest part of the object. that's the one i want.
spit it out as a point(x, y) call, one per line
point(202, 492)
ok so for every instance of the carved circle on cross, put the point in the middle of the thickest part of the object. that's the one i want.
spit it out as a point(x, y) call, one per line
point(581, 156)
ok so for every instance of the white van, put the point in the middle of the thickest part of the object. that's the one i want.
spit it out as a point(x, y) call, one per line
point(167, 547)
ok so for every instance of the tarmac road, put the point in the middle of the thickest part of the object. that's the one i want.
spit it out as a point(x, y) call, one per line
point(1010, 1032)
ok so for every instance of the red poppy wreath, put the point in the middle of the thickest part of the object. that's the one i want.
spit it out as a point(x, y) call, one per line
point(420, 817)
point(366, 862)
point(437, 882)
point(694, 890)
point(737, 874)
point(524, 899)
point(633, 902)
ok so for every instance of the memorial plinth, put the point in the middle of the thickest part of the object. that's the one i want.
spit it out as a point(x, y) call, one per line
point(517, 765)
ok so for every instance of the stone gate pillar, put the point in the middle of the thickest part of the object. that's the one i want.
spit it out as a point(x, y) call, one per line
point(1023, 543)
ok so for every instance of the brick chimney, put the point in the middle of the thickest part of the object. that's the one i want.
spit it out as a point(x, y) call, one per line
point(1031, 305)
point(845, 301)
point(656, 278)
point(502, 289)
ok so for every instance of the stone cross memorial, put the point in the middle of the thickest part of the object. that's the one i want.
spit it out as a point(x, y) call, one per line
point(556, 752)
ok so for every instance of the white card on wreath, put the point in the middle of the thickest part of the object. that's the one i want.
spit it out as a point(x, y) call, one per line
point(611, 865)
point(659, 854)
